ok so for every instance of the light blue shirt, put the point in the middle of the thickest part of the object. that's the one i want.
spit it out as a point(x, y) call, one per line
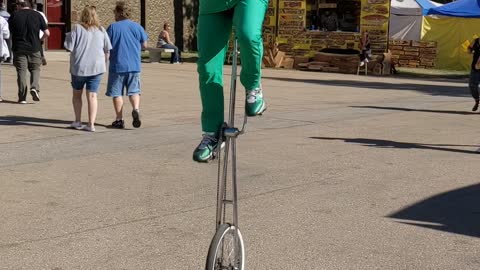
point(127, 38)
point(87, 50)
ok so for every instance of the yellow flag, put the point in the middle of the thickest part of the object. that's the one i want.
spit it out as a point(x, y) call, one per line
point(465, 45)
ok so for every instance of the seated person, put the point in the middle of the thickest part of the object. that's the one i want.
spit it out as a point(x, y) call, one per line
point(364, 45)
point(330, 21)
point(165, 42)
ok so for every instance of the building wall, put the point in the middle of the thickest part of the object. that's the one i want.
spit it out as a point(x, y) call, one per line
point(181, 14)
point(159, 12)
point(104, 10)
point(186, 15)
point(414, 54)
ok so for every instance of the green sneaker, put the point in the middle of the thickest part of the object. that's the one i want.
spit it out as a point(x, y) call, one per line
point(205, 151)
point(254, 103)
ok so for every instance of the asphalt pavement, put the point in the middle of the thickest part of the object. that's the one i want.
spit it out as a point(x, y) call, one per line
point(341, 172)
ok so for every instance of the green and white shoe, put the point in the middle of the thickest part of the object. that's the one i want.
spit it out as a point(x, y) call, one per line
point(205, 151)
point(254, 103)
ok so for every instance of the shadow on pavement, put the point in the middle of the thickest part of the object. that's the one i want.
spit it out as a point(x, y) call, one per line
point(401, 145)
point(12, 120)
point(414, 110)
point(434, 90)
point(11, 102)
point(456, 211)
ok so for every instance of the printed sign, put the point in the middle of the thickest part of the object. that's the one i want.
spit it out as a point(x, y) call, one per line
point(374, 18)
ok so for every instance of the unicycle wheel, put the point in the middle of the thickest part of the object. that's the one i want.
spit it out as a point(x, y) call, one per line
point(223, 254)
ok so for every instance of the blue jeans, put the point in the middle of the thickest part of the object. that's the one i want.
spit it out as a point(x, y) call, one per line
point(91, 83)
point(117, 82)
point(175, 55)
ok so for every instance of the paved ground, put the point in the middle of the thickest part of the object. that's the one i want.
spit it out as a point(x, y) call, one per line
point(342, 172)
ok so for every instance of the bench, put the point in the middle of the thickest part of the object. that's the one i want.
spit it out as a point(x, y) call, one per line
point(155, 54)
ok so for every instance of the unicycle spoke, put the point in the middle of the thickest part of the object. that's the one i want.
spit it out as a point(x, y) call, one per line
point(226, 252)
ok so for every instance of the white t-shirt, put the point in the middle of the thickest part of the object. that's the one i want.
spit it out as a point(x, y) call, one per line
point(88, 48)
point(46, 22)
point(4, 34)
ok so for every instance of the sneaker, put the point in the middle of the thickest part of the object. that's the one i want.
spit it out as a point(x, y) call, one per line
point(76, 125)
point(35, 94)
point(89, 129)
point(362, 63)
point(136, 118)
point(22, 101)
point(206, 149)
point(475, 107)
point(118, 124)
point(254, 103)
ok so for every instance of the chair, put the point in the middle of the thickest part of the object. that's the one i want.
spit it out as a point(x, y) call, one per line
point(365, 68)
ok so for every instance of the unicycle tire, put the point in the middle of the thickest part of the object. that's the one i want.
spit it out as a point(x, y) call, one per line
point(221, 254)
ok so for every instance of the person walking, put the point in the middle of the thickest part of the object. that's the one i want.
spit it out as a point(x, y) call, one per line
point(35, 7)
point(474, 80)
point(164, 41)
point(89, 48)
point(4, 13)
point(4, 53)
point(215, 21)
point(25, 25)
point(127, 38)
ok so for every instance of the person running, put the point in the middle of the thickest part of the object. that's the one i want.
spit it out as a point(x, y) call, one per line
point(215, 21)
point(164, 41)
point(128, 38)
point(89, 46)
point(475, 72)
point(25, 24)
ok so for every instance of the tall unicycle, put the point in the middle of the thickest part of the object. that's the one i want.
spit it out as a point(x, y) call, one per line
point(227, 251)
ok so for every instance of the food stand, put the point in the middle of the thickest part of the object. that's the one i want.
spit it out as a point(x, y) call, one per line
point(304, 28)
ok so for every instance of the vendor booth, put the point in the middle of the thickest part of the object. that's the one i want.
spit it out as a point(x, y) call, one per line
point(406, 18)
point(453, 25)
point(306, 27)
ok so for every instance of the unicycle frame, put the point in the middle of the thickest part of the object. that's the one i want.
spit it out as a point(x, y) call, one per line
point(229, 134)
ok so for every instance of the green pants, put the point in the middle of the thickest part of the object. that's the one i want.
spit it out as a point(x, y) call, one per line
point(214, 30)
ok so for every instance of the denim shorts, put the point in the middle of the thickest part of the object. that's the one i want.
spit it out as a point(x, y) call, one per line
point(117, 82)
point(91, 83)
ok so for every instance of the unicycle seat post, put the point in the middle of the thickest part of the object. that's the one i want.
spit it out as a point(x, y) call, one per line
point(233, 86)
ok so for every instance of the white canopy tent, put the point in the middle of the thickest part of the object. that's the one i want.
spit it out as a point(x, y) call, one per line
point(406, 18)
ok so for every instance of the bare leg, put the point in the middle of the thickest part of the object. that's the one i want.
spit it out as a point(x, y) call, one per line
point(77, 104)
point(92, 107)
point(135, 101)
point(118, 106)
